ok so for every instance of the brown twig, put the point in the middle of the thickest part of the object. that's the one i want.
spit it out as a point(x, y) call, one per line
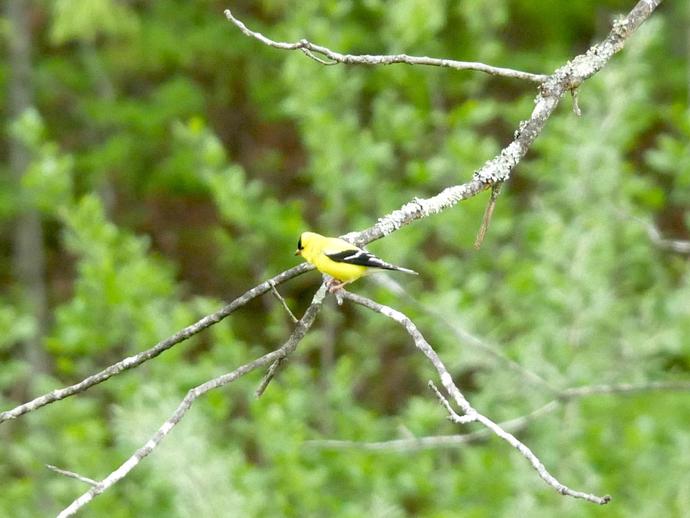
point(488, 213)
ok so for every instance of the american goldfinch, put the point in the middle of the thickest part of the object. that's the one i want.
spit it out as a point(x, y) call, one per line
point(341, 260)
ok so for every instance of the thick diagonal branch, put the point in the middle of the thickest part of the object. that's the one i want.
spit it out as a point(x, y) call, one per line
point(567, 78)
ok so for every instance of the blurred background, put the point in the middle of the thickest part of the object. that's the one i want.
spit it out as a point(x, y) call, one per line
point(156, 162)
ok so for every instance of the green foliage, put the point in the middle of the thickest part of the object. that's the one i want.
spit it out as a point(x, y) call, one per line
point(174, 162)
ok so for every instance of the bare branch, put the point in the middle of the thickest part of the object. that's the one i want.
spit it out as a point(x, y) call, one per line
point(469, 412)
point(71, 474)
point(300, 330)
point(673, 245)
point(512, 425)
point(144, 356)
point(488, 213)
point(624, 388)
point(314, 52)
point(282, 301)
point(498, 169)
point(436, 441)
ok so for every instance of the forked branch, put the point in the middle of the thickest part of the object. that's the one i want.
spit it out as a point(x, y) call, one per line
point(469, 413)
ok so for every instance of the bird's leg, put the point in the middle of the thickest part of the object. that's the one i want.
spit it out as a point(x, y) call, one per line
point(334, 285)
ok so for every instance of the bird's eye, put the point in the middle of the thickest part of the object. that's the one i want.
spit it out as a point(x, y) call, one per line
point(299, 244)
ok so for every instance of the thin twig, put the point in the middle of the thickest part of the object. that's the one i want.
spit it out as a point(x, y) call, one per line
point(436, 441)
point(282, 301)
point(300, 330)
point(71, 474)
point(674, 245)
point(470, 413)
point(576, 101)
point(624, 388)
point(512, 425)
point(488, 212)
point(452, 414)
point(272, 370)
point(311, 50)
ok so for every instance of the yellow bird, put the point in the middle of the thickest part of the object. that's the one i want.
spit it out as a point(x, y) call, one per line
point(341, 260)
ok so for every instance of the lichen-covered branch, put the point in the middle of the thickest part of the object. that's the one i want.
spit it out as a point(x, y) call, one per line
point(497, 170)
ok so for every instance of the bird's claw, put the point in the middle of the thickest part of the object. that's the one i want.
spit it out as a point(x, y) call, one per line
point(334, 285)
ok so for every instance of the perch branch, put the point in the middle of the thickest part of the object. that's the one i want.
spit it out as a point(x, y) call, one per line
point(469, 412)
point(300, 330)
point(316, 52)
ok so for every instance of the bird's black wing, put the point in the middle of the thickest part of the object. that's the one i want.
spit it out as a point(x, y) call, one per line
point(363, 258)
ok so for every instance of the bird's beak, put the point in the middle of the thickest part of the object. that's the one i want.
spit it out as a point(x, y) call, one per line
point(298, 252)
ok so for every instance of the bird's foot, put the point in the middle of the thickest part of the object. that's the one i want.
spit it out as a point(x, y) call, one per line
point(334, 285)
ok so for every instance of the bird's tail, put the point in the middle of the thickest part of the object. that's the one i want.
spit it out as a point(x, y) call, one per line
point(404, 270)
